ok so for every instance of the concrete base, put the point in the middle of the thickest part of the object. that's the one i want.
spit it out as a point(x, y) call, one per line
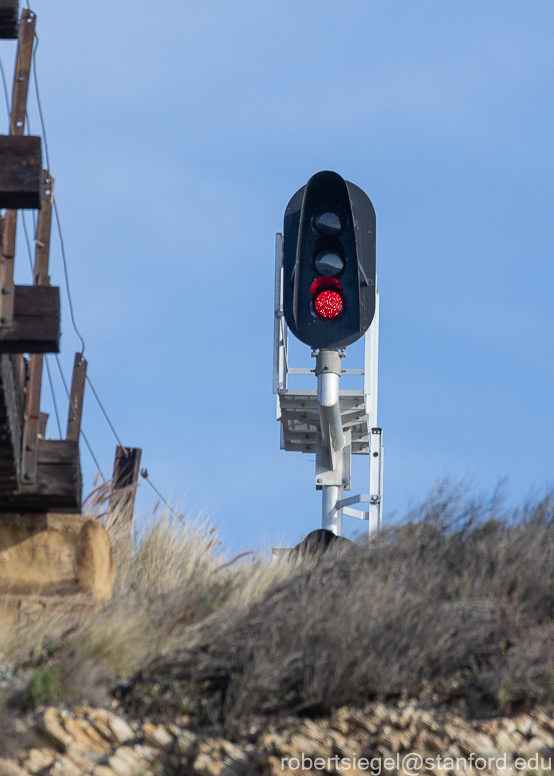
point(55, 554)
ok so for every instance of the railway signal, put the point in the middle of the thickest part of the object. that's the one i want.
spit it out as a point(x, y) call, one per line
point(326, 295)
point(329, 262)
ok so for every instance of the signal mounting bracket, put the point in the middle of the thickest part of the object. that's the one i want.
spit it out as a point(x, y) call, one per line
point(298, 413)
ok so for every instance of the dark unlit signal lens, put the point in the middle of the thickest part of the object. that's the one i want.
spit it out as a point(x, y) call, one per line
point(329, 263)
point(328, 222)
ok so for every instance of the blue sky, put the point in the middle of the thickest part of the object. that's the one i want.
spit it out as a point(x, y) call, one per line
point(178, 133)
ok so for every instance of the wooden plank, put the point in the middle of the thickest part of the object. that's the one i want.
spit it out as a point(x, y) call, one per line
point(32, 413)
point(11, 422)
point(57, 486)
point(76, 398)
point(31, 301)
point(57, 452)
point(6, 266)
point(36, 321)
point(22, 71)
point(9, 16)
point(123, 491)
point(20, 172)
point(8, 471)
point(44, 226)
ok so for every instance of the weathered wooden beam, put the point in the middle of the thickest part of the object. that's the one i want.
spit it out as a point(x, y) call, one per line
point(123, 491)
point(30, 426)
point(44, 228)
point(12, 402)
point(36, 321)
point(20, 172)
point(57, 486)
point(11, 416)
point(76, 398)
point(9, 15)
point(34, 382)
point(6, 267)
point(22, 71)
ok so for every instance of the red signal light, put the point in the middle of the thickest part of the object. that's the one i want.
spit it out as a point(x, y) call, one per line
point(327, 298)
point(328, 304)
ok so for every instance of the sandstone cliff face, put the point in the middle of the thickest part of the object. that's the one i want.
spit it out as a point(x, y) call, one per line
point(404, 739)
point(55, 554)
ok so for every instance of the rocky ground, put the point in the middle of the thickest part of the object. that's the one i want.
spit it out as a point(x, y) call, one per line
point(100, 742)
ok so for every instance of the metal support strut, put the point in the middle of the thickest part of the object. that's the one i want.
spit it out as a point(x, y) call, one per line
point(331, 514)
point(328, 370)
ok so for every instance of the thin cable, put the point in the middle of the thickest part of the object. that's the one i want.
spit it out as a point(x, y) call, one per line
point(53, 396)
point(57, 215)
point(66, 274)
point(110, 424)
point(39, 103)
point(144, 473)
point(79, 335)
point(5, 91)
point(28, 243)
point(91, 451)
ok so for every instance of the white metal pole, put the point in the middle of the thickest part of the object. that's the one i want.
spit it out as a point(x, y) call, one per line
point(331, 516)
point(328, 370)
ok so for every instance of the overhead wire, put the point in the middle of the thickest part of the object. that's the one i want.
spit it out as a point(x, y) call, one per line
point(145, 475)
point(46, 363)
point(143, 472)
point(66, 275)
point(110, 424)
point(51, 382)
point(56, 213)
point(54, 402)
point(27, 241)
point(6, 95)
point(81, 430)
point(64, 258)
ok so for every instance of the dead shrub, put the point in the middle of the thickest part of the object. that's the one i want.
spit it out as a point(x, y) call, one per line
point(449, 601)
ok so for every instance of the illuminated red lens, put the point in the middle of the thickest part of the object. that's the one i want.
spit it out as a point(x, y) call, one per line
point(328, 304)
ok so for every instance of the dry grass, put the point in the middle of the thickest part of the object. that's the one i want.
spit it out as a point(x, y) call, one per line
point(455, 604)
point(171, 577)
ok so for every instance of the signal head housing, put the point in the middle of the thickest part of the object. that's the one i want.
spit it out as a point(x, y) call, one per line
point(329, 262)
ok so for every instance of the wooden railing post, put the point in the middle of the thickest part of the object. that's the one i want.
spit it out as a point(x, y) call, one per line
point(76, 398)
point(124, 487)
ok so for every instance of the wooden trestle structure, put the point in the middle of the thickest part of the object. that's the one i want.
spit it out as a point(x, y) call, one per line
point(37, 474)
